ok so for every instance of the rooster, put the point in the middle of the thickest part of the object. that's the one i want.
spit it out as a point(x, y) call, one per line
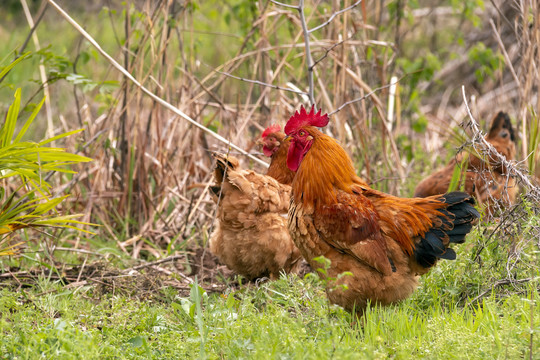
point(377, 244)
point(251, 235)
point(486, 181)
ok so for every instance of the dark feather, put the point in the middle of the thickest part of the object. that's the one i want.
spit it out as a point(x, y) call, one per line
point(449, 254)
point(215, 190)
point(455, 223)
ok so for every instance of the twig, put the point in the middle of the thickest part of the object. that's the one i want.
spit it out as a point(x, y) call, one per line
point(505, 53)
point(501, 15)
point(148, 92)
point(284, 5)
point(367, 95)
point(330, 49)
point(498, 283)
point(208, 91)
point(188, 224)
point(41, 12)
point(13, 274)
point(261, 83)
point(479, 251)
point(163, 270)
point(234, 61)
point(153, 263)
point(82, 251)
point(334, 15)
point(76, 284)
point(309, 59)
point(82, 269)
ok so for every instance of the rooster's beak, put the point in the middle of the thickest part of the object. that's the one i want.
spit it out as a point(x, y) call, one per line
point(287, 137)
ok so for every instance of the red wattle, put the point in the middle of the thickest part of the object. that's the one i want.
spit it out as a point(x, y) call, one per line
point(294, 156)
point(267, 152)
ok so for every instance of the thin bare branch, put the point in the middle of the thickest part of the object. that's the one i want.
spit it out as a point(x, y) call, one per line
point(157, 262)
point(330, 49)
point(262, 83)
point(81, 251)
point(42, 70)
point(284, 5)
point(309, 59)
point(41, 12)
point(498, 283)
point(505, 53)
point(334, 15)
point(365, 96)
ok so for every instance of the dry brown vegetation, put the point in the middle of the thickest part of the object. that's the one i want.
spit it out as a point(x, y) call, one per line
point(148, 184)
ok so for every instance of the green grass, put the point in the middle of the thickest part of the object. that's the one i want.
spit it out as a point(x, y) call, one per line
point(285, 319)
point(288, 318)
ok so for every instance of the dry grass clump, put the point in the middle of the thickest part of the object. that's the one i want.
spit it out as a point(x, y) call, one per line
point(391, 77)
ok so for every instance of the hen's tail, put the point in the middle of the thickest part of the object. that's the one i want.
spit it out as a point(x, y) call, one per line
point(224, 164)
point(456, 222)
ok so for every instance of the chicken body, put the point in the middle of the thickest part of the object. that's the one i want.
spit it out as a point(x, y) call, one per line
point(386, 242)
point(251, 235)
point(485, 180)
point(366, 283)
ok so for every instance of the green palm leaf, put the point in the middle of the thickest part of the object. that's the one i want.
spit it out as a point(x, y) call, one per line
point(27, 162)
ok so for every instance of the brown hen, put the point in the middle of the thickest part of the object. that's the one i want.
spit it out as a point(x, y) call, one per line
point(251, 235)
point(485, 180)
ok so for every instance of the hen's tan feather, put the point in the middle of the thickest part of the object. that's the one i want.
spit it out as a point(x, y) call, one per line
point(251, 235)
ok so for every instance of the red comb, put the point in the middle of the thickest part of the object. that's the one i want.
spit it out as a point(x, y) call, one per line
point(303, 118)
point(271, 129)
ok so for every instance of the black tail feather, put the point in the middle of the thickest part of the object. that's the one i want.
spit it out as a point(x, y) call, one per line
point(457, 221)
point(449, 254)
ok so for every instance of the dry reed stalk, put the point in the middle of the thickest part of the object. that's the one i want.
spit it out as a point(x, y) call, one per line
point(529, 77)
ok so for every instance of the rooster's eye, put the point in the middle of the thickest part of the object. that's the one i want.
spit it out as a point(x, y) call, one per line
point(302, 133)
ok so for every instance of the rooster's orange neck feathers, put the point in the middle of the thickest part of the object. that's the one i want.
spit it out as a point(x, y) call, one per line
point(325, 168)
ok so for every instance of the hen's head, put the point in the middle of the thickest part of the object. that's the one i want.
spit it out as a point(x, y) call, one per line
point(301, 129)
point(501, 127)
point(271, 139)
